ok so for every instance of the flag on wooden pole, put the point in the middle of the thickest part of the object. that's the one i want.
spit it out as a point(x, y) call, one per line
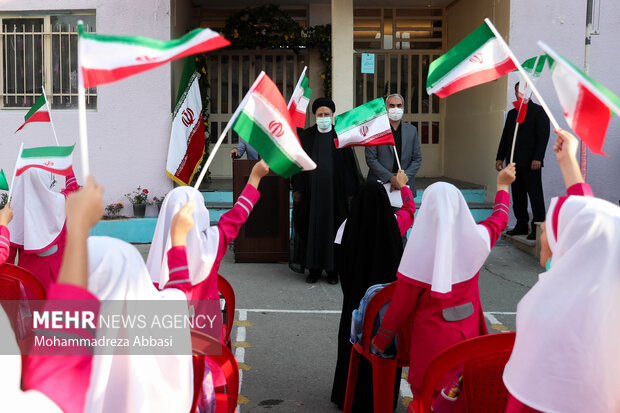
point(39, 112)
point(587, 105)
point(366, 125)
point(477, 59)
point(263, 120)
point(298, 105)
point(106, 59)
point(187, 138)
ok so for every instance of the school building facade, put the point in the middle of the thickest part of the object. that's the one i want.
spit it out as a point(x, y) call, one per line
point(129, 121)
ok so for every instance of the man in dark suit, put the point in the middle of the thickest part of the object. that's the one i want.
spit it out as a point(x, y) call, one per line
point(381, 159)
point(530, 146)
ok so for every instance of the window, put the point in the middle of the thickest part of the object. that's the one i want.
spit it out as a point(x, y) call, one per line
point(40, 50)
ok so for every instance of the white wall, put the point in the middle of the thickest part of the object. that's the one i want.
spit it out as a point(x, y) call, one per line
point(129, 131)
point(562, 26)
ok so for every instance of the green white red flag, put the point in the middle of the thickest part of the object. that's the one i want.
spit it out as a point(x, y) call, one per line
point(263, 120)
point(587, 105)
point(56, 159)
point(298, 104)
point(105, 59)
point(366, 125)
point(187, 138)
point(477, 59)
point(4, 185)
point(533, 66)
point(39, 112)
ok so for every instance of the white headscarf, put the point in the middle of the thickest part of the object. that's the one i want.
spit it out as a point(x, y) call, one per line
point(446, 246)
point(566, 356)
point(133, 383)
point(202, 240)
point(39, 212)
point(14, 399)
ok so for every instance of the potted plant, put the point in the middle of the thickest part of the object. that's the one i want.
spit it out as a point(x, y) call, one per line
point(113, 209)
point(158, 201)
point(139, 199)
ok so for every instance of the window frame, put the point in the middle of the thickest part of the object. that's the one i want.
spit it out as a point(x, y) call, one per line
point(47, 58)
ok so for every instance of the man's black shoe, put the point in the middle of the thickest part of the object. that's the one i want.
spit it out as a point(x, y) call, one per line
point(312, 278)
point(332, 278)
point(517, 231)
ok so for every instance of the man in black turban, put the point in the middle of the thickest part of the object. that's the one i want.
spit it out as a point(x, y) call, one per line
point(322, 196)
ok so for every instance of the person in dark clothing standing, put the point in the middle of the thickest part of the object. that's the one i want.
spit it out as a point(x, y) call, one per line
point(322, 196)
point(529, 153)
point(370, 251)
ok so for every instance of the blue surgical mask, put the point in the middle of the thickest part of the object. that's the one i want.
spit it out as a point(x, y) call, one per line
point(548, 264)
point(324, 124)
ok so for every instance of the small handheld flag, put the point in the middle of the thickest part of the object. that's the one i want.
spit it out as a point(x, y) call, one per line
point(366, 125)
point(56, 159)
point(587, 105)
point(39, 112)
point(4, 185)
point(298, 104)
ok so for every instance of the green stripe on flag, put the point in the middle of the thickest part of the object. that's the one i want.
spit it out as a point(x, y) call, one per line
point(37, 105)
point(48, 152)
point(361, 114)
point(264, 143)
point(3, 182)
point(440, 67)
point(528, 65)
point(305, 85)
point(139, 40)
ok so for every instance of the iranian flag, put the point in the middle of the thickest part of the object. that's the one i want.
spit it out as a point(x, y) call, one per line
point(105, 59)
point(366, 125)
point(3, 182)
point(298, 104)
point(477, 59)
point(39, 112)
point(187, 138)
point(534, 66)
point(56, 159)
point(263, 120)
point(587, 104)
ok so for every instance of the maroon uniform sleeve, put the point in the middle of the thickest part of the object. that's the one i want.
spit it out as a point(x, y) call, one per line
point(580, 189)
point(64, 378)
point(498, 220)
point(401, 307)
point(405, 214)
point(230, 223)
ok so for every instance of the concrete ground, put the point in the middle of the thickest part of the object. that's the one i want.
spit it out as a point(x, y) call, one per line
point(285, 335)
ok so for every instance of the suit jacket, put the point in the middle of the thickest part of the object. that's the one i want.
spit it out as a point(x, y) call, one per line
point(380, 159)
point(532, 137)
point(243, 147)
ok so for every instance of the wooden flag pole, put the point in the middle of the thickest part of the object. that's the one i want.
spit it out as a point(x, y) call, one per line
point(19, 154)
point(49, 111)
point(82, 108)
point(523, 73)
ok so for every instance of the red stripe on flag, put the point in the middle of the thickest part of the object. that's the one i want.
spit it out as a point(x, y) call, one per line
point(591, 120)
point(36, 117)
point(382, 138)
point(477, 78)
point(94, 77)
point(195, 150)
point(521, 107)
point(298, 118)
point(272, 94)
point(64, 172)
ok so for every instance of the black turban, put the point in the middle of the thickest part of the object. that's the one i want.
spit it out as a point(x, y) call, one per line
point(323, 102)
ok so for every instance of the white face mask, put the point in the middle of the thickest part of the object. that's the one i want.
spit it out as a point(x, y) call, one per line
point(395, 114)
point(324, 124)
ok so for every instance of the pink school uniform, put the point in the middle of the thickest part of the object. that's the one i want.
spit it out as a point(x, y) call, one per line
point(51, 383)
point(5, 246)
point(438, 277)
point(567, 335)
point(38, 230)
point(206, 245)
